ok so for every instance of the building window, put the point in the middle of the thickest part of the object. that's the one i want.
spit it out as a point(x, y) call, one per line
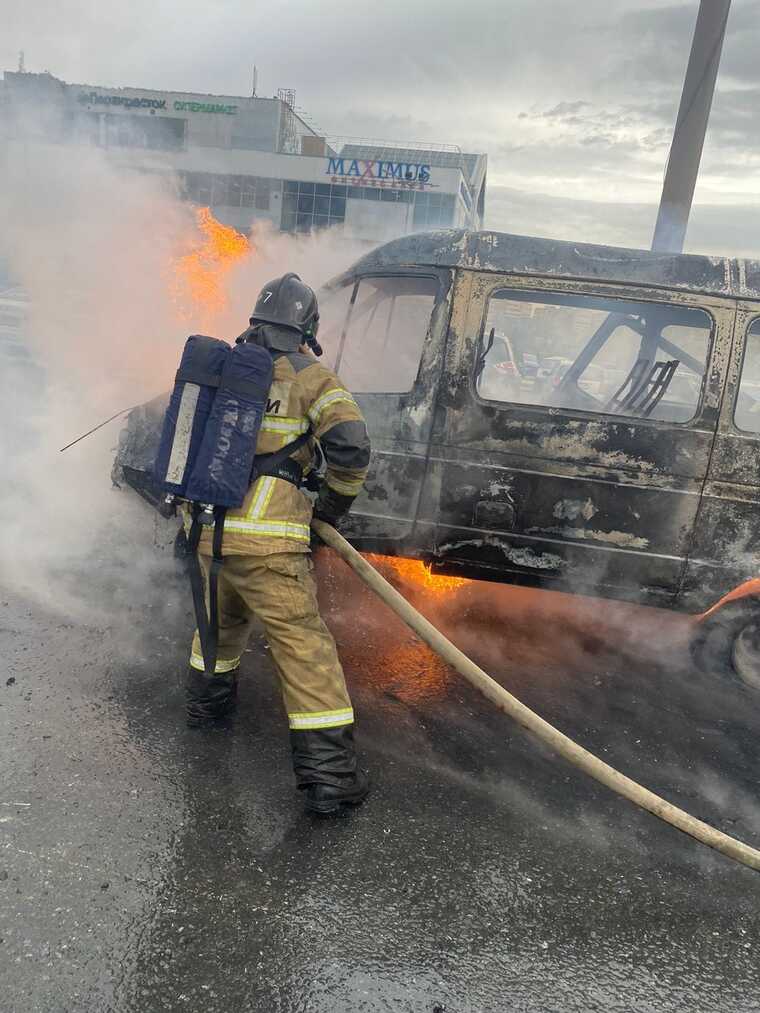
point(162, 133)
point(583, 353)
point(198, 187)
point(248, 191)
point(309, 206)
point(433, 210)
point(261, 200)
point(220, 191)
point(381, 194)
point(210, 190)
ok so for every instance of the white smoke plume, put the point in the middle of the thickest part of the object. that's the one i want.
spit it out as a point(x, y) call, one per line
point(93, 247)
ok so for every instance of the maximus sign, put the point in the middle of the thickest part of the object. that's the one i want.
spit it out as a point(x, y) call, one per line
point(363, 172)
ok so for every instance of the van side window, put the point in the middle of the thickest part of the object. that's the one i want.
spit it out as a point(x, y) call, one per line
point(609, 356)
point(747, 411)
point(387, 327)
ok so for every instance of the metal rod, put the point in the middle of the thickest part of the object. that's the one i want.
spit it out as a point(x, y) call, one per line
point(99, 426)
point(691, 126)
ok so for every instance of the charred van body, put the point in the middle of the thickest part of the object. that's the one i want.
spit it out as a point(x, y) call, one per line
point(580, 417)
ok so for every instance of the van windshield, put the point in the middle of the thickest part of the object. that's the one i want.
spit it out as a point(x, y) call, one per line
point(646, 360)
point(373, 331)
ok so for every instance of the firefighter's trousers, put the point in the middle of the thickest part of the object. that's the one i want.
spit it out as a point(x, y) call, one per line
point(279, 590)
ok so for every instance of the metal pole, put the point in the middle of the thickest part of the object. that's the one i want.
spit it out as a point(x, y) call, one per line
point(691, 126)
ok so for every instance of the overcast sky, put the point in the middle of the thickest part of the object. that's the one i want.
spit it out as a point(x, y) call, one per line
point(574, 102)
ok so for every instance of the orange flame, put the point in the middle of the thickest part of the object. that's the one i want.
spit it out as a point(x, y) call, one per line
point(414, 571)
point(199, 276)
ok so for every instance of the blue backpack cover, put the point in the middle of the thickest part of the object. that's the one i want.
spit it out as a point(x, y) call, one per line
point(190, 404)
point(221, 473)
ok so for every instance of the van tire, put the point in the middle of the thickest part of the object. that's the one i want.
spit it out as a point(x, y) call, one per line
point(728, 643)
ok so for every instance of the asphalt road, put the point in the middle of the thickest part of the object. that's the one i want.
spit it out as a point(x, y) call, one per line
point(145, 867)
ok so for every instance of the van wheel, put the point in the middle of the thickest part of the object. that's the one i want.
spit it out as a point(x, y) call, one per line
point(729, 642)
point(745, 654)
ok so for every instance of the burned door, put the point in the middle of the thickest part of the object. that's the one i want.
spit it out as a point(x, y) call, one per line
point(385, 335)
point(726, 545)
point(578, 427)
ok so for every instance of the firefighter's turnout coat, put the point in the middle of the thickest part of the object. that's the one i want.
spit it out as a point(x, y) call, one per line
point(275, 515)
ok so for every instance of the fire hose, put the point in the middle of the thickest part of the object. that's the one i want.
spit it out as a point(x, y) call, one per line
point(542, 730)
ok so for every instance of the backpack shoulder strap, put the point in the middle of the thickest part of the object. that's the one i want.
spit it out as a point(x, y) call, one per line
point(278, 457)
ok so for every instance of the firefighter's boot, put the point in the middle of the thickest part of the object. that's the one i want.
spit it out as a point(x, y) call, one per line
point(324, 762)
point(332, 799)
point(208, 700)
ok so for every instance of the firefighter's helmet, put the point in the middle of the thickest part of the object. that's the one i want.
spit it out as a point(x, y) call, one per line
point(288, 302)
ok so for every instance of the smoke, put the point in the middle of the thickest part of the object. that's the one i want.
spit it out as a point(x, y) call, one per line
point(95, 248)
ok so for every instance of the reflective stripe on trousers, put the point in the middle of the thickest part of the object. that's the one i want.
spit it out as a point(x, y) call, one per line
point(222, 666)
point(321, 719)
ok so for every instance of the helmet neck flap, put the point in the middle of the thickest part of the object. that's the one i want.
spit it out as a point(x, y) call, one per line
point(272, 337)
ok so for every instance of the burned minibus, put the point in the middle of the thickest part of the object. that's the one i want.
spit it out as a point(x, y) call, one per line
point(578, 417)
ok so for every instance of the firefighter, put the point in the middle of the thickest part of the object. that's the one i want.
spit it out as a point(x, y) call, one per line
point(268, 572)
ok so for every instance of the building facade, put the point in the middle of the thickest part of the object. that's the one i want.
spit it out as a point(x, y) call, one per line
point(253, 158)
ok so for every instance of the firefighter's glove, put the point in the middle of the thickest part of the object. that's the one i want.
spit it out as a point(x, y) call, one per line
point(313, 481)
point(330, 507)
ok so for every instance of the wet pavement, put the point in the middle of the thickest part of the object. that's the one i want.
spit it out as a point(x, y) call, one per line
point(145, 867)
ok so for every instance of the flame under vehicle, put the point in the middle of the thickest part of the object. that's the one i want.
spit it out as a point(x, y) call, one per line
point(583, 418)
